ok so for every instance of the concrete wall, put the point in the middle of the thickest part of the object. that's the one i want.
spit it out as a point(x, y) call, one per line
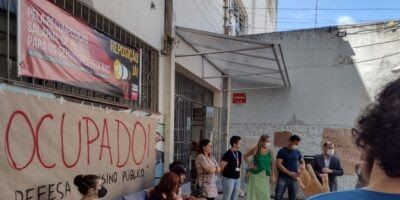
point(136, 16)
point(333, 78)
point(261, 20)
point(203, 15)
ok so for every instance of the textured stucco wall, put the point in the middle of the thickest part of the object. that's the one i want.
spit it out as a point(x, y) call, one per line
point(333, 80)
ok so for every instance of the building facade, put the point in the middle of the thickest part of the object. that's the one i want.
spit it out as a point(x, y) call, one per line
point(185, 106)
point(262, 16)
point(335, 72)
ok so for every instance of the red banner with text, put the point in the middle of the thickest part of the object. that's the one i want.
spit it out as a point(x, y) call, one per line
point(54, 45)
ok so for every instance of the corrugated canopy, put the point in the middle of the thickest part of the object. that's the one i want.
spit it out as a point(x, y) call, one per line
point(251, 64)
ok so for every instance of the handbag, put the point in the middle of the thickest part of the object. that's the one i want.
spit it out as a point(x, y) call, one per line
point(197, 191)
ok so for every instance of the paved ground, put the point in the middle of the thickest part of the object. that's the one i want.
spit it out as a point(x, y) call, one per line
point(220, 197)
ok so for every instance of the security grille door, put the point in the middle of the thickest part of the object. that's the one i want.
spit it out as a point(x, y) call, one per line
point(183, 131)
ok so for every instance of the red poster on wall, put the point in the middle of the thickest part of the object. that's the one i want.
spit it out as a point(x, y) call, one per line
point(54, 45)
point(239, 98)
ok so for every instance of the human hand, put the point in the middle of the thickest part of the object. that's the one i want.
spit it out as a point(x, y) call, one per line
point(175, 196)
point(309, 183)
point(273, 179)
point(302, 167)
point(212, 170)
point(294, 175)
point(252, 166)
point(326, 170)
point(218, 169)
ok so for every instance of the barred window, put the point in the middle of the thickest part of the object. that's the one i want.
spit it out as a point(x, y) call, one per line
point(149, 84)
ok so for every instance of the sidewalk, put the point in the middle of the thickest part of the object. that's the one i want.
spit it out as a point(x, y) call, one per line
point(219, 197)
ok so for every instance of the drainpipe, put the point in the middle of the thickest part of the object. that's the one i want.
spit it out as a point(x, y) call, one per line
point(226, 17)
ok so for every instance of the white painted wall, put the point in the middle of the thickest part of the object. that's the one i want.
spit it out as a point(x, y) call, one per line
point(136, 16)
point(204, 15)
point(331, 85)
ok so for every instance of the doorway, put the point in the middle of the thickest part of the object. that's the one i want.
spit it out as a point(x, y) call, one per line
point(196, 119)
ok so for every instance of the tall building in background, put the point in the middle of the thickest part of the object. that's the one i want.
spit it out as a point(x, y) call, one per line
point(253, 16)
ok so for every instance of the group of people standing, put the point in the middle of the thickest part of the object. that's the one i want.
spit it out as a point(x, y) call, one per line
point(265, 169)
point(376, 134)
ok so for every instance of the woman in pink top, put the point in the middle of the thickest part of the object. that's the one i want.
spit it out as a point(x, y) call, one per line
point(207, 170)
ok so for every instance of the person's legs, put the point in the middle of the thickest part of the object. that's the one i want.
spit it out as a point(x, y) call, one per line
point(293, 187)
point(280, 188)
point(333, 187)
point(227, 186)
point(236, 189)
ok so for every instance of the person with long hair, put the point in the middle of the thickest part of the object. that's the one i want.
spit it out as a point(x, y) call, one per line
point(207, 170)
point(262, 171)
point(178, 168)
point(167, 188)
point(90, 186)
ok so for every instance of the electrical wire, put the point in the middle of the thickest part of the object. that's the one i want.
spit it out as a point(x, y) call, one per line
point(367, 31)
point(373, 44)
point(324, 21)
point(344, 28)
point(373, 59)
point(207, 20)
point(210, 14)
point(326, 9)
point(216, 7)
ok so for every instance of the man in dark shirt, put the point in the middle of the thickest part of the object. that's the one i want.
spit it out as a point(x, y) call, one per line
point(329, 164)
point(230, 166)
point(289, 161)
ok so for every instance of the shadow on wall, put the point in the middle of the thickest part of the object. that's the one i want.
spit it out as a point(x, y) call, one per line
point(333, 79)
point(331, 82)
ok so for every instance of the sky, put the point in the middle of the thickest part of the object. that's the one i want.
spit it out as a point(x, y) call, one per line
point(291, 17)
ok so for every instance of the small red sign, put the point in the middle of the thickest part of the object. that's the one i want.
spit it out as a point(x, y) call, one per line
point(239, 98)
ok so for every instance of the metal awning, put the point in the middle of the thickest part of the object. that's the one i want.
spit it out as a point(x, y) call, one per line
point(251, 64)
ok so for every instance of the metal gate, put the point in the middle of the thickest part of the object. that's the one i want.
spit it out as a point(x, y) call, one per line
point(183, 131)
point(195, 119)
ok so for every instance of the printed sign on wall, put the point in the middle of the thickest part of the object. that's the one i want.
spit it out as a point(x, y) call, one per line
point(239, 98)
point(54, 45)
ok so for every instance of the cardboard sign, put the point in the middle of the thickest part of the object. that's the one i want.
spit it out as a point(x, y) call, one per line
point(46, 143)
point(281, 138)
point(345, 149)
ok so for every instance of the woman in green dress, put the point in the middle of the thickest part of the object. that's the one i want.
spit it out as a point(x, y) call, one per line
point(262, 171)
